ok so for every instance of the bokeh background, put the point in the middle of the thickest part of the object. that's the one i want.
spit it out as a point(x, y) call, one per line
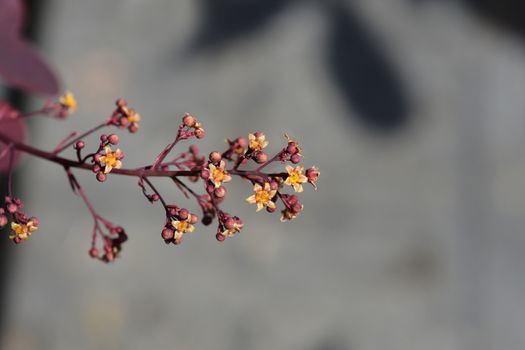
point(414, 112)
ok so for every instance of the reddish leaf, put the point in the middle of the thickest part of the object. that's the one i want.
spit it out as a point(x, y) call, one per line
point(20, 64)
point(15, 129)
point(11, 18)
point(22, 67)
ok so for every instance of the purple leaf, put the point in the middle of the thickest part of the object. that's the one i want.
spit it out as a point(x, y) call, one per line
point(22, 67)
point(11, 18)
point(20, 64)
point(15, 129)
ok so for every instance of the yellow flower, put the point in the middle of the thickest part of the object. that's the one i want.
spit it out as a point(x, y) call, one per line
point(132, 115)
point(296, 178)
point(111, 160)
point(231, 232)
point(257, 142)
point(182, 227)
point(218, 175)
point(68, 101)
point(22, 231)
point(262, 197)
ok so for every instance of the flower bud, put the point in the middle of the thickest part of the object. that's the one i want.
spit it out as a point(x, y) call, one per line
point(194, 149)
point(93, 252)
point(241, 141)
point(167, 234)
point(220, 192)
point(292, 199)
point(220, 237)
point(229, 223)
point(103, 137)
point(183, 214)
point(3, 220)
point(121, 102)
point(205, 174)
point(199, 133)
point(271, 210)
point(12, 208)
point(292, 148)
point(113, 139)
point(215, 157)
point(133, 128)
point(296, 158)
point(261, 157)
point(101, 177)
point(188, 120)
point(80, 144)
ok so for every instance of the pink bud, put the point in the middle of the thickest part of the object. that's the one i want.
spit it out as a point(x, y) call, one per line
point(80, 144)
point(293, 199)
point(194, 149)
point(220, 192)
point(296, 158)
point(261, 157)
point(133, 128)
point(229, 223)
point(101, 177)
point(312, 174)
point(103, 137)
point(241, 141)
point(113, 139)
point(205, 174)
point(296, 208)
point(215, 157)
point(292, 148)
point(121, 102)
point(270, 209)
point(167, 234)
point(12, 208)
point(199, 133)
point(35, 220)
point(220, 237)
point(194, 219)
point(93, 252)
point(188, 120)
point(183, 214)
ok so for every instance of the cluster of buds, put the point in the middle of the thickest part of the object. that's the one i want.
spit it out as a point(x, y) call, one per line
point(179, 222)
point(215, 173)
point(125, 117)
point(112, 242)
point(22, 225)
point(62, 108)
point(191, 127)
point(228, 226)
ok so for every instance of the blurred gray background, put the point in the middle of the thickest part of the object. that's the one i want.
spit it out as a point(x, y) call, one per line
point(413, 111)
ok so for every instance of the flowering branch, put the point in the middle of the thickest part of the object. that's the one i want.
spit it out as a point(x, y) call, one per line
point(213, 172)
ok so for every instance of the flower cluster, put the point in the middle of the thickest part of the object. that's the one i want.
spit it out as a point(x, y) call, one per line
point(244, 158)
point(125, 117)
point(22, 225)
point(179, 221)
